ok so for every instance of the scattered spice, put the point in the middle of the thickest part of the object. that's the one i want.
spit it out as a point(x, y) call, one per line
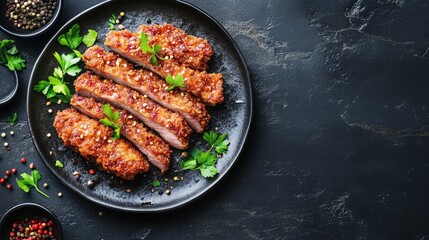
point(31, 14)
point(45, 185)
point(3, 135)
point(14, 171)
point(91, 171)
point(23, 160)
point(60, 194)
point(7, 172)
point(32, 166)
point(100, 214)
point(90, 183)
point(12, 133)
point(9, 186)
point(5, 144)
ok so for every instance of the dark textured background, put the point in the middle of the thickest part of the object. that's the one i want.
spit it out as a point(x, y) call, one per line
point(338, 146)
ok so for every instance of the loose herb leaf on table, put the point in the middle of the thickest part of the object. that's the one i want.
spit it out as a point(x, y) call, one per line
point(9, 55)
point(28, 181)
point(13, 119)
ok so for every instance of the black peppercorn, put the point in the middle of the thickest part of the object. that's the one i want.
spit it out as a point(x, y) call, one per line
point(29, 14)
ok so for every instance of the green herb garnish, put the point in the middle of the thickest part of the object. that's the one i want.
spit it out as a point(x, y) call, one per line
point(90, 38)
point(29, 181)
point(72, 39)
point(111, 120)
point(112, 22)
point(56, 87)
point(12, 120)
point(59, 164)
point(156, 183)
point(216, 141)
point(9, 55)
point(205, 161)
point(176, 81)
point(154, 50)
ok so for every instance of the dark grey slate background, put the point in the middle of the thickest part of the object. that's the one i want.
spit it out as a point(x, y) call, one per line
point(339, 144)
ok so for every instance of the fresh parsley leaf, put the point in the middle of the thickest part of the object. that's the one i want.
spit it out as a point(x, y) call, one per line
point(59, 164)
point(209, 171)
point(174, 82)
point(156, 183)
point(72, 38)
point(154, 50)
point(56, 87)
point(9, 55)
point(90, 38)
point(112, 22)
point(216, 141)
point(203, 161)
point(111, 120)
point(28, 181)
point(12, 120)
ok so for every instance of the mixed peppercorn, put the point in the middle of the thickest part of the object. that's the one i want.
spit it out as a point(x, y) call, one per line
point(30, 14)
point(32, 229)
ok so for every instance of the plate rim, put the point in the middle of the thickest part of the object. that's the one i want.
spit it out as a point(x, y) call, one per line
point(179, 204)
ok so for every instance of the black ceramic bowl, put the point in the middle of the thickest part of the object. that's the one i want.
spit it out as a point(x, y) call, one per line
point(30, 211)
point(8, 27)
point(9, 84)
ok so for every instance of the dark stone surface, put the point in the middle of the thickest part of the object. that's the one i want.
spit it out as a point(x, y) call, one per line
point(338, 146)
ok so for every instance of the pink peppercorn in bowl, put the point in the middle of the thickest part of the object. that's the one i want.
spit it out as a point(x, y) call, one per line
point(30, 221)
point(28, 18)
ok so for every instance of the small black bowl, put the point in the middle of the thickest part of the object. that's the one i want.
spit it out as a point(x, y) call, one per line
point(9, 84)
point(8, 27)
point(30, 211)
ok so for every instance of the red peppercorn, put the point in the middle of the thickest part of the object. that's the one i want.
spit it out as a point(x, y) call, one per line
point(35, 226)
point(23, 160)
point(2, 180)
point(9, 186)
point(14, 171)
point(91, 171)
point(11, 234)
point(15, 225)
point(7, 172)
point(39, 231)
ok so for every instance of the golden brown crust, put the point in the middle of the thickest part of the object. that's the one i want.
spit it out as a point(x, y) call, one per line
point(120, 70)
point(206, 86)
point(93, 141)
point(170, 126)
point(188, 50)
point(157, 151)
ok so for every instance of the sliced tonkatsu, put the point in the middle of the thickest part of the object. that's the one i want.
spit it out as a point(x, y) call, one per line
point(207, 86)
point(120, 70)
point(188, 50)
point(157, 151)
point(169, 125)
point(93, 141)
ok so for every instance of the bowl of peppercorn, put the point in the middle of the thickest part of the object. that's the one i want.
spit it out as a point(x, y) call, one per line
point(28, 18)
point(30, 221)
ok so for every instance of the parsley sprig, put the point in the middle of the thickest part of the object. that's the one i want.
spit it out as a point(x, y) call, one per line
point(9, 55)
point(112, 22)
point(174, 82)
point(13, 119)
point(28, 181)
point(205, 161)
point(111, 120)
point(56, 87)
point(73, 39)
point(59, 164)
point(154, 50)
point(217, 142)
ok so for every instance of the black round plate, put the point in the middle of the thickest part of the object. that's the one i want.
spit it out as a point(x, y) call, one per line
point(233, 117)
